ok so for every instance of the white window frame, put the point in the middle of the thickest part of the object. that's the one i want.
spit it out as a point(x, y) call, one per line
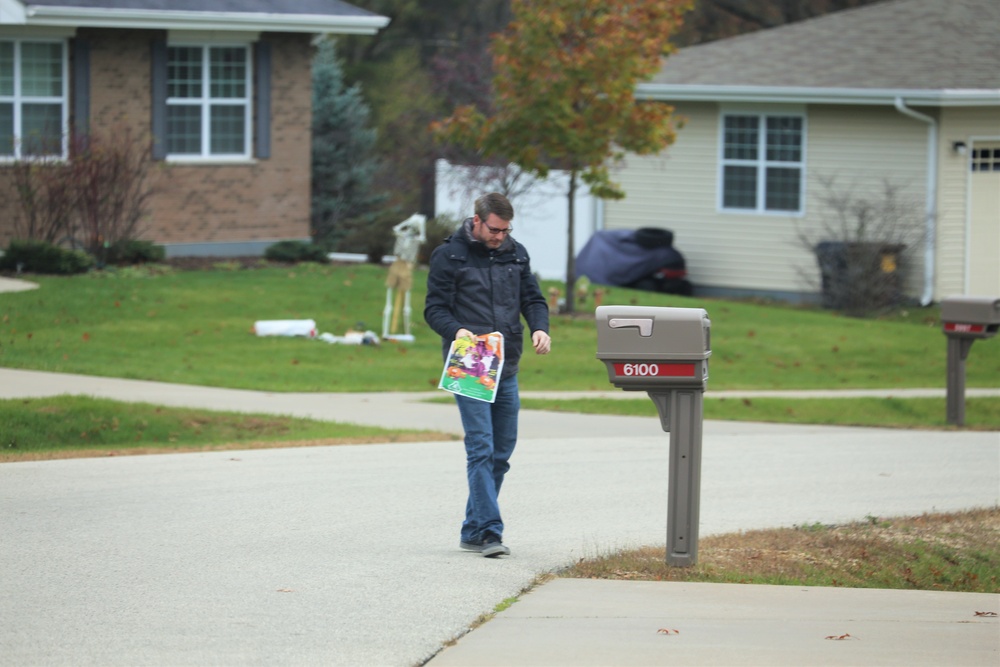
point(761, 163)
point(18, 99)
point(206, 102)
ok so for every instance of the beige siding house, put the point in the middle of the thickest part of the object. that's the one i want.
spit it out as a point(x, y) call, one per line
point(904, 93)
point(222, 89)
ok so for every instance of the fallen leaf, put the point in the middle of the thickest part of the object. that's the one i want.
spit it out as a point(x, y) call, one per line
point(986, 613)
point(840, 637)
point(668, 631)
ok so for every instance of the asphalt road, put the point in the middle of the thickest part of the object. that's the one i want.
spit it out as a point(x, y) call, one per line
point(349, 555)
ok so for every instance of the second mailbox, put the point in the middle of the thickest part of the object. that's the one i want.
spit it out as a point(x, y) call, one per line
point(970, 316)
point(649, 348)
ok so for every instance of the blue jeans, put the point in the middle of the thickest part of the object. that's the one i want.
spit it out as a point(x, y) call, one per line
point(490, 436)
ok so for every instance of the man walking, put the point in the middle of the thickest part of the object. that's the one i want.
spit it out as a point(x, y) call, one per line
point(480, 281)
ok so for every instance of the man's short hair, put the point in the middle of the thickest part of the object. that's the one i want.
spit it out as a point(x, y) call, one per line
point(495, 203)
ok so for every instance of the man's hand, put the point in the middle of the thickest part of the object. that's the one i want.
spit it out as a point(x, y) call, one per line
point(541, 341)
point(464, 333)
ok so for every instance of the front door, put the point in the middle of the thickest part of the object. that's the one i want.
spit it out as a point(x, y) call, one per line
point(984, 220)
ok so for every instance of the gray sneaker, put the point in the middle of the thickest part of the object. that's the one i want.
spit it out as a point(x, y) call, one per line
point(471, 546)
point(493, 547)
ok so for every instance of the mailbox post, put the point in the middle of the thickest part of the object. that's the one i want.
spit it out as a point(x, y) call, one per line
point(664, 352)
point(964, 320)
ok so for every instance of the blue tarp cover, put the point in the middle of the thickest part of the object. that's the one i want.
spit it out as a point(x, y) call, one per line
point(615, 257)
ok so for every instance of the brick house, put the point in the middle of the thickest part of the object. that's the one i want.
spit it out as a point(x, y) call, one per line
point(222, 87)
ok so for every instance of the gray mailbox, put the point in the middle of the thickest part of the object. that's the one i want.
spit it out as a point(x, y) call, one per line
point(664, 352)
point(964, 320)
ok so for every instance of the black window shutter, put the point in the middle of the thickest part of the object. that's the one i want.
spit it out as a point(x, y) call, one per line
point(262, 105)
point(81, 87)
point(158, 84)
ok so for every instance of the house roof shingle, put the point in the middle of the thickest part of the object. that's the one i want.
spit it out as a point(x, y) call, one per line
point(896, 45)
point(283, 15)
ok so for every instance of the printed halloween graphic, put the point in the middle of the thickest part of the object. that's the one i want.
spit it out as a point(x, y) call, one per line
point(473, 367)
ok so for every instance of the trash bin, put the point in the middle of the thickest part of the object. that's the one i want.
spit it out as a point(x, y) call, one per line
point(859, 277)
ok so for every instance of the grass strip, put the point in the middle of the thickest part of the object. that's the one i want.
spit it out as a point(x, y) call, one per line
point(981, 413)
point(76, 426)
point(957, 551)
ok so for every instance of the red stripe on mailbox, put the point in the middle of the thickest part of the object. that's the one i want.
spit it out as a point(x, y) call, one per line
point(960, 327)
point(652, 370)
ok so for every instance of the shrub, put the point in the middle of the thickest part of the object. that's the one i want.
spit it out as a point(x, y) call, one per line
point(370, 235)
point(96, 199)
point(438, 229)
point(43, 201)
point(130, 252)
point(44, 257)
point(293, 252)
point(110, 174)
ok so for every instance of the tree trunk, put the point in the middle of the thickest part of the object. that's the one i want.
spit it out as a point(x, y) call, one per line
point(570, 258)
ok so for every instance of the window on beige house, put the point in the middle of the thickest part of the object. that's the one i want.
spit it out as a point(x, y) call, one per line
point(33, 93)
point(761, 163)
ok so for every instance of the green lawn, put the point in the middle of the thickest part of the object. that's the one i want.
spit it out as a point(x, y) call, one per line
point(194, 327)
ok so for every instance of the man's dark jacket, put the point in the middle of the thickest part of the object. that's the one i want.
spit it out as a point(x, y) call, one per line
point(473, 287)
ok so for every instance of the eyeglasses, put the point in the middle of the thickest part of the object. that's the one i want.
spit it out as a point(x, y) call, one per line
point(497, 230)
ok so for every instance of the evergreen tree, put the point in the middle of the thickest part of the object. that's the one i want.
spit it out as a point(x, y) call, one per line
point(343, 151)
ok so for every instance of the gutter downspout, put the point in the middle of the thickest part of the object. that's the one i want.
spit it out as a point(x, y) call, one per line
point(931, 211)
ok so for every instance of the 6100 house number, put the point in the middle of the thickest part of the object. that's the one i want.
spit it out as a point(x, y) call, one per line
point(654, 370)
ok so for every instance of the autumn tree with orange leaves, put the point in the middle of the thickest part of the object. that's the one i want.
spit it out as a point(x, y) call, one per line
point(565, 73)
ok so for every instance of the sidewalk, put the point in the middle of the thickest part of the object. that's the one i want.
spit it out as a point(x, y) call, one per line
point(583, 623)
point(348, 555)
point(388, 409)
point(15, 285)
